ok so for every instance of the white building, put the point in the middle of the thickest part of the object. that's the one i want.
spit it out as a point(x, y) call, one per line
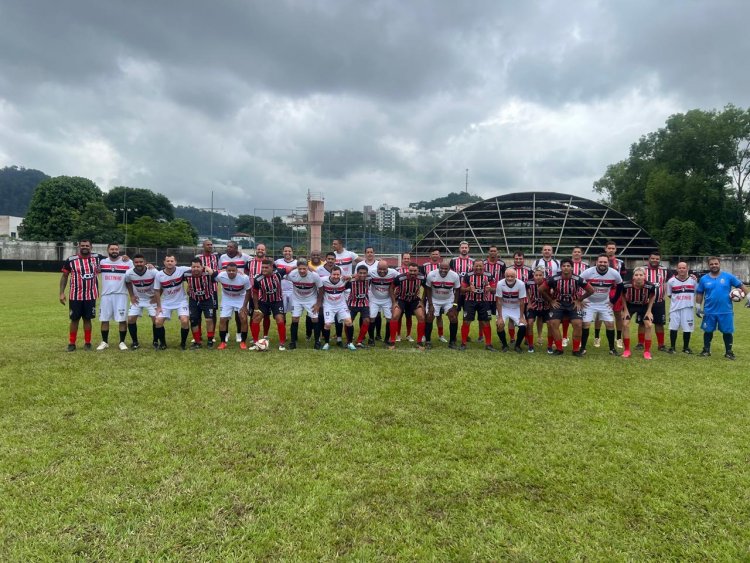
point(385, 217)
point(9, 226)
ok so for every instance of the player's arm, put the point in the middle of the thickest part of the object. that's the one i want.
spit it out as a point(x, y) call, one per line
point(499, 307)
point(319, 303)
point(157, 301)
point(618, 292)
point(63, 285)
point(427, 296)
point(651, 300)
point(133, 296)
point(547, 296)
point(392, 294)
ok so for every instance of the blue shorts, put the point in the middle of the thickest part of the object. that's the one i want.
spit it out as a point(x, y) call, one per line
point(725, 323)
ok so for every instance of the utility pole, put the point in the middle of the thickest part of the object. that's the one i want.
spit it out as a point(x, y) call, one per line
point(467, 181)
point(212, 209)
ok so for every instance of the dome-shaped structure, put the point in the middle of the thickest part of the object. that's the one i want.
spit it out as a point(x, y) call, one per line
point(526, 221)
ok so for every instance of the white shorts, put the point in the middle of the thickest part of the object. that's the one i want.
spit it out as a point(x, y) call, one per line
point(602, 310)
point(299, 306)
point(682, 319)
point(442, 308)
point(137, 310)
point(229, 308)
point(181, 308)
point(114, 307)
point(380, 306)
point(340, 313)
point(513, 315)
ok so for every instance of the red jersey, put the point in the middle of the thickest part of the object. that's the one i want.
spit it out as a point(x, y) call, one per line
point(358, 296)
point(462, 266)
point(268, 288)
point(428, 267)
point(407, 287)
point(84, 285)
point(497, 271)
point(200, 288)
point(482, 284)
point(534, 299)
point(635, 295)
point(657, 277)
point(565, 290)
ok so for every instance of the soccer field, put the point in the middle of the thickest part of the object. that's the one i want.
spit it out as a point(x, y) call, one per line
point(366, 455)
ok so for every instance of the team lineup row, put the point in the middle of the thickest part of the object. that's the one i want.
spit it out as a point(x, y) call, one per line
point(337, 290)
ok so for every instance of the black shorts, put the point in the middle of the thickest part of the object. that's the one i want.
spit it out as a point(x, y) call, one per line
point(408, 308)
point(659, 311)
point(82, 309)
point(271, 308)
point(565, 311)
point(532, 314)
point(198, 308)
point(638, 312)
point(479, 308)
point(363, 312)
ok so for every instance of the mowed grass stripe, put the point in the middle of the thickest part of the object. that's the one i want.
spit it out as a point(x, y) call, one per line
point(372, 454)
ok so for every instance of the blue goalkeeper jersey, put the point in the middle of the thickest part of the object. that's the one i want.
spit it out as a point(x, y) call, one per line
point(715, 292)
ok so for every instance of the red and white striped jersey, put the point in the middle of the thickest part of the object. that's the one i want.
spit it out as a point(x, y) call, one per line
point(637, 295)
point(580, 267)
point(240, 260)
point(82, 270)
point(428, 267)
point(658, 277)
point(462, 266)
point(483, 284)
point(565, 290)
point(359, 293)
point(408, 287)
point(268, 287)
point(534, 299)
point(199, 288)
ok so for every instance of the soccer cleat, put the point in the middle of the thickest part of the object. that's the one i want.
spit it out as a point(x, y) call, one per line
point(597, 342)
point(730, 355)
point(183, 346)
point(531, 350)
point(452, 346)
point(442, 339)
point(578, 353)
point(122, 346)
point(550, 350)
point(87, 346)
point(135, 346)
point(196, 346)
point(428, 345)
point(371, 342)
point(292, 345)
point(156, 346)
point(317, 346)
point(647, 355)
point(390, 346)
point(238, 338)
point(339, 343)
point(223, 346)
point(282, 348)
point(491, 348)
point(671, 351)
point(639, 346)
point(619, 343)
point(517, 349)
point(462, 348)
point(102, 346)
point(626, 354)
point(409, 338)
point(705, 353)
point(565, 342)
point(351, 347)
point(687, 351)
point(360, 345)
point(614, 352)
point(558, 353)
point(504, 349)
point(398, 338)
point(210, 344)
point(71, 348)
point(480, 339)
point(162, 347)
point(662, 348)
point(378, 337)
point(325, 347)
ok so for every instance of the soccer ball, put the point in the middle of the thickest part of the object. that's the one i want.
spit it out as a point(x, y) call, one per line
point(737, 294)
point(262, 344)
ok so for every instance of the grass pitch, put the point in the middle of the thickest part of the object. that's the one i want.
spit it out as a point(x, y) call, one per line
point(365, 455)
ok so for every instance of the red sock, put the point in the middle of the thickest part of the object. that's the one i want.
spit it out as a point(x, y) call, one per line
point(255, 330)
point(394, 330)
point(197, 335)
point(660, 339)
point(512, 332)
point(420, 330)
point(641, 337)
point(558, 344)
point(266, 325)
point(550, 341)
point(440, 330)
point(464, 332)
point(576, 345)
point(363, 331)
point(282, 333)
point(210, 335)
point(72, 337)
point(487, 335)
point(530, 338)
point(647, 346)
point(565, 323)
point(626, 343)
point(408, 326)
point(87, 335)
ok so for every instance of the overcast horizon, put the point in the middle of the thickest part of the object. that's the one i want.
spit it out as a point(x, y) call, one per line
point(366, 102)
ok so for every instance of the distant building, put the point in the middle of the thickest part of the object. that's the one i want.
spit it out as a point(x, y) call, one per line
point(369, 214)
point(9, 226)
point(385, 217)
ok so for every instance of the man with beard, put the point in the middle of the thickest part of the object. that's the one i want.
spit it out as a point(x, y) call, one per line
point(607, 285)
point(114, 301)
point(475, 286)
point(430, 266)
point(442, 287)
point(463, 265)
point(510, 297)
point(657, 275)
point(268, 301)
point(234, 290)
point(169, 283)
point(610, 249)
point(408, 288)
point(681, 293)
point(332, 298)
point(244, 264)
point(536, 308)
point(305, 285)
point(139, 282)
point(404, 269)
point(210, 259)
point(81, 269)
point(313, 264)
point(287, 264)
point(200, 286)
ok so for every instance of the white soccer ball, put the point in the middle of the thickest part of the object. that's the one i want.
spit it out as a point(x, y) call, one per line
point(737, 294)
point(262, 344)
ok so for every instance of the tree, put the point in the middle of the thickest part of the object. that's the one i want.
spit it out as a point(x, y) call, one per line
point(179, 233)
point(17, 185)
point(98, 224)
point(56, 207)
point(146, 232)
point(201, 220)
point(140, 202)
point(686, 179)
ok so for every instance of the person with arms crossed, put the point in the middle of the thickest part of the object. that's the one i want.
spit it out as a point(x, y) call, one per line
point(712, 294)
point(114, 301)
point(681, 293)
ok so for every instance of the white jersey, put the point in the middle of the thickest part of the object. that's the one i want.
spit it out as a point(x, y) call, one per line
point(345, 261)
point(304, 288)
point(172, 292)
point(334, 295)
point(282, 264)
point(681, 293)
point(323, 272)
point(233, 290)
point(443, 287)
point(380, 287)
point(602, 283)
point(240, 260)
point(370, 267)
point(511, 295)
point(143, 284)
point(113, 275)
point(551, 267)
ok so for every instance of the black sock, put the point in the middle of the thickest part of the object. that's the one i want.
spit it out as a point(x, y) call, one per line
point(686, 340)
point(428, 331)
point(155, 332)
point(223, 335)
point(597, 332)
point(163, 335)
point(728, 340)
point(503, 339)
point(387, 331)
point(123, 333)
point(371, 329)
point(183, 335)
point(584, 337)
point(133, 330)
point(453, 331)
point(672, 338)
point(611, 338)
point(243, 336)
point(520, 335)
point(707, 337)
point(379, 325)
point(308, 326)
point(327, 335)
point(105, 336)
point(237, 322)
point(294, 331)
point(619, 335)
point(349, 334)
point(316, 330)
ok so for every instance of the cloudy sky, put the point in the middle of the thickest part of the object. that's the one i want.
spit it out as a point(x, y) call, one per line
point(367, 102)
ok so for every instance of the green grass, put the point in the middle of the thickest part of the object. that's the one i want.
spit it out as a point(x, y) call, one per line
point(366, 455)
